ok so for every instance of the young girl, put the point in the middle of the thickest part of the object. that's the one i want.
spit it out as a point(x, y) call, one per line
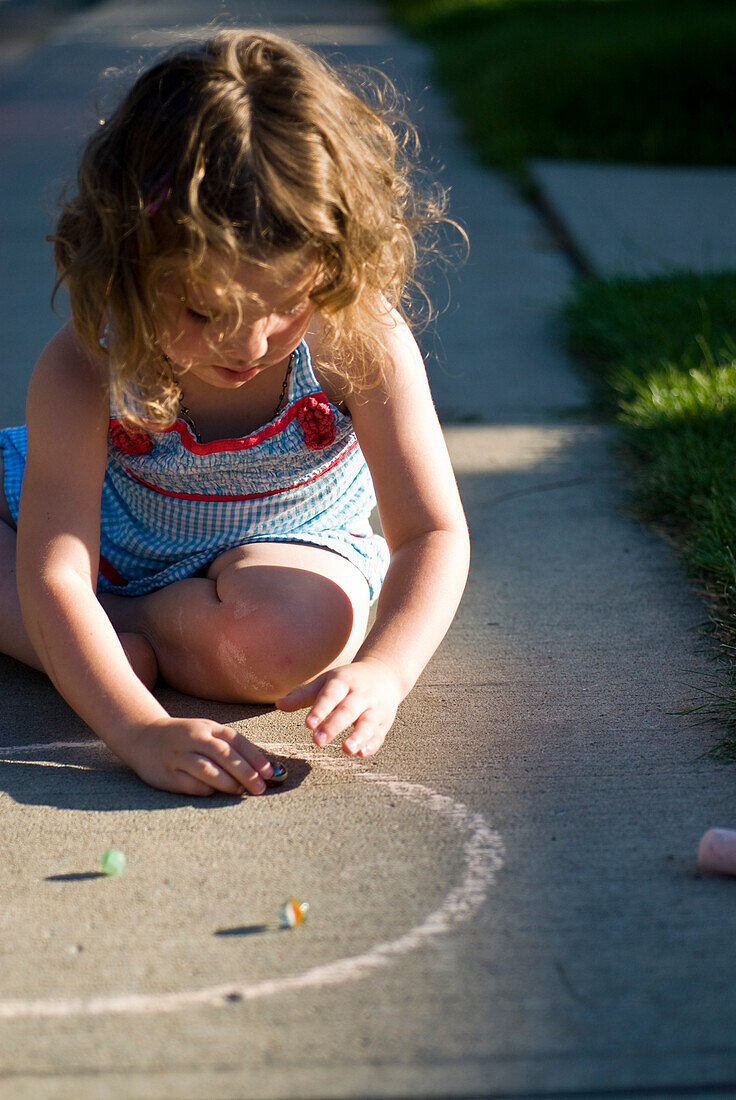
point(204, 439)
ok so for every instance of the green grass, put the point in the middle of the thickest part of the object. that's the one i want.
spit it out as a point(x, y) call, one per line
point(663, 356)
point(644, 81)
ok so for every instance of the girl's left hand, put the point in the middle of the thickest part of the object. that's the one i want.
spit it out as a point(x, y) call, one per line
point(364, 694)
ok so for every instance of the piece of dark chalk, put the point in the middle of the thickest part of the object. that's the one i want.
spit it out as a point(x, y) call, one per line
point(280, 775)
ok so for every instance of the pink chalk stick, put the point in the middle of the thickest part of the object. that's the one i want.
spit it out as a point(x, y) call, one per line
point(717, 851)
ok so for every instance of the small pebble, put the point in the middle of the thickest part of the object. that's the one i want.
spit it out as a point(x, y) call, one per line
point(293, 912)
point(717, 851)
point(112, 861)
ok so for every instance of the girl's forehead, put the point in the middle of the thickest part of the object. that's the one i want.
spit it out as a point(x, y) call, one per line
point(286, 274)
point(268, 281)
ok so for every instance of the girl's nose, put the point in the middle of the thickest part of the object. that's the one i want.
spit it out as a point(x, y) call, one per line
point(251, 342)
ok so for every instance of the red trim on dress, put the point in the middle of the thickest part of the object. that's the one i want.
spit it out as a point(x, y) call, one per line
point(110, 573)
point(305, 409)
point(245, 496)
point(129, 442)
point(245, 442)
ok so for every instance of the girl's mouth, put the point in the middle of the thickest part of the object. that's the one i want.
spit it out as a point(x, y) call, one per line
point(231, 375)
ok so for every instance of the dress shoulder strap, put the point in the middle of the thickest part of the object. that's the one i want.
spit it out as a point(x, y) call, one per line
point(303, 380)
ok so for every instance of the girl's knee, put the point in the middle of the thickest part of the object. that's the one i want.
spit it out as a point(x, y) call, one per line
point(283, 628)
point(255, 631)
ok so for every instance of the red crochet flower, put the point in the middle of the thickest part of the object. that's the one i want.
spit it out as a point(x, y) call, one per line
point(130, 442)
point(318, 423)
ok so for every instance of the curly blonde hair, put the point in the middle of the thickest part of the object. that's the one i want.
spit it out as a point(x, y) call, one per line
point(252, 146)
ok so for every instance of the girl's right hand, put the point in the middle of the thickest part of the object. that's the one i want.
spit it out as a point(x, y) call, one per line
point(197, 756)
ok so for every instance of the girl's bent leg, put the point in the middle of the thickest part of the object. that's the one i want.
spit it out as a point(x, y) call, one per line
point(13, 638)
point(268, 617)
point(14, 641)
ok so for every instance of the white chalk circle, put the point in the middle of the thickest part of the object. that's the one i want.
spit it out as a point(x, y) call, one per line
point(483, 852)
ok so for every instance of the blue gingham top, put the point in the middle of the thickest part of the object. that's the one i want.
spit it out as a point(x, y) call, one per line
point(170, 505)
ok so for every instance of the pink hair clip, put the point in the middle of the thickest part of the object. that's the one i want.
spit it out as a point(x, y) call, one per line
point(159, 194)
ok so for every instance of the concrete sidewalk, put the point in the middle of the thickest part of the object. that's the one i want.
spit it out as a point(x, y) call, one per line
point(636, 220)
point(504, 903)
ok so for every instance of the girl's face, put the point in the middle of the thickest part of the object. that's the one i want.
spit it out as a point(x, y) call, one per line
point(197, 337)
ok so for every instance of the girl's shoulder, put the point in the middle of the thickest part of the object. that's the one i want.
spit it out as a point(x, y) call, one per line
point(402, 360)
point(68, 382)
point(64, 360)
point(67, 420)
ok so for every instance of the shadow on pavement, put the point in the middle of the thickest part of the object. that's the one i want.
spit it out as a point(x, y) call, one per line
point(43, 742)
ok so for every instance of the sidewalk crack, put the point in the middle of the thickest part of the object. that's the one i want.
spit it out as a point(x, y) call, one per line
point(539, 489)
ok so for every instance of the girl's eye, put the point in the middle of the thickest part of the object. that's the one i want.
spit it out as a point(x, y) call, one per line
point(196, 316)
point(206, 319)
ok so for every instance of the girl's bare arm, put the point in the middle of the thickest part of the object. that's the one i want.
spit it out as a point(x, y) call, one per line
point(58, 544)
point(58, 556)
point(421, 513)
point(424, 525)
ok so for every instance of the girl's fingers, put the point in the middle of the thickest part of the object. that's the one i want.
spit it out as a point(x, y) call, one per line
point(338, 721)
point(204, 769)
point(187, 784)
point(366, 737)
point(329, 703)
point(239, 746)
point(372, 747)
point(224, 769)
